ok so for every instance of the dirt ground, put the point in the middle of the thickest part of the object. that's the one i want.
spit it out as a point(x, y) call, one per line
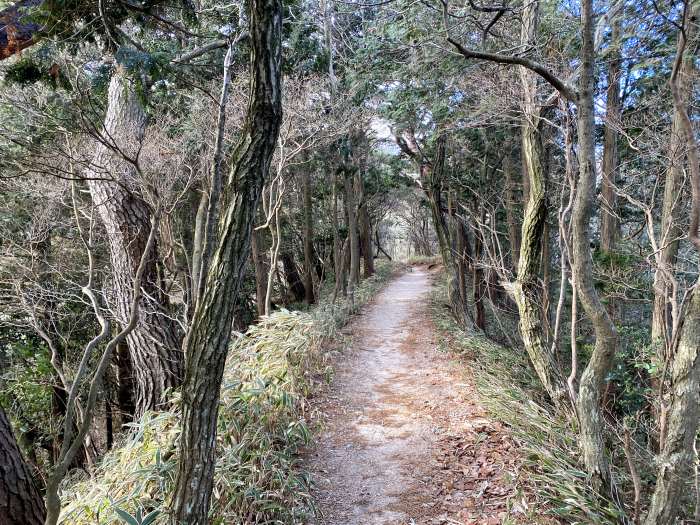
point(404, 439)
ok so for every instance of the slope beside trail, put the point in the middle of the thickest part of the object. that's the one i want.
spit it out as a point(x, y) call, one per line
point(404, 439)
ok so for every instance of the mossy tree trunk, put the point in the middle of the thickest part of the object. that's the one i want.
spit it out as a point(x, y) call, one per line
point(593, 378)
point(210, 333)
point(527, 290)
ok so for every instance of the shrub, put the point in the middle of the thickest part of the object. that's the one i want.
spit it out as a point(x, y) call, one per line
point(262, 423)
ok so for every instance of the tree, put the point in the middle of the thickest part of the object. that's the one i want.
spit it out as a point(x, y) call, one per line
point(683, 414)
point(594, 375)
point(308, 233)
point(609, 226)
point(208, 339)
point(116, 188)
point(526, 289)
point(154, 346)
point(20, 501)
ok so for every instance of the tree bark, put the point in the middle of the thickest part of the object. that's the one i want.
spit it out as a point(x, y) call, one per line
point(210, 333)
point(258, 252)
point(526, 289)
point(677, 454)
point(291, 275)
point(677, 457)
point(20, 501)
point(478, 282)
point(125, 378)
point(669, 228)
point(154, 346)
point(337, 243)
point(351, 210)
point(593, 379)
point(609, 224)
point(365, 230)
point(308, 234)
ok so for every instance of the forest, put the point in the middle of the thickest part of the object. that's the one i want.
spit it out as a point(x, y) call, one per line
point(343, 262)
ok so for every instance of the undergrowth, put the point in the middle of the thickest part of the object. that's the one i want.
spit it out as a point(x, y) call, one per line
point(508, 390)
point(423, 259)
point(270, 373)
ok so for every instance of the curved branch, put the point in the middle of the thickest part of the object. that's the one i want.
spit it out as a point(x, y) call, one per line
point(562, 87)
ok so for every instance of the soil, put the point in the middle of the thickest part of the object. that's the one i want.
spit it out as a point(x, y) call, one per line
point(404, 439)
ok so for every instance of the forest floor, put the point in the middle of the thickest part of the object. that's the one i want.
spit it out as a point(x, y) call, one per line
point(404, 439)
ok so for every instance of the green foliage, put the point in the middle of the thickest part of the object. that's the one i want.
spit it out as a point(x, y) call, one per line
point(23, 71)
point(634, 367)
point(621, 274)
point(26, 382)
point(138, 519)
point(614, 259)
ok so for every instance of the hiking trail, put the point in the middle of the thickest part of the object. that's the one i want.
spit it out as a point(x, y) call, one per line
point(404, 439)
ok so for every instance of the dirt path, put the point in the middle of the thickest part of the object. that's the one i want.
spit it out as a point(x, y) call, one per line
point(404, 439)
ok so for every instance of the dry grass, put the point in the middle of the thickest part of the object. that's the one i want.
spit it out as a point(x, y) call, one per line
point(508, 389)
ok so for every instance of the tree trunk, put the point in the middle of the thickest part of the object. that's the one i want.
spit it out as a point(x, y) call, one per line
point(677, 454)
point(20, 501)
point(125, 378)
point(526, 289)
point(308, 234)
point(154, 346)
point(464, 257)
point(351, 210)
point(365, 230)
point(594, 376)
point(609, 224)
point(669, 228)
point(525, 178)
point(258, 252)
point(478, 283)
point(546, 263)
point(291, 275)
point(210, 333)
point(198, 239)
point(511, 207)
